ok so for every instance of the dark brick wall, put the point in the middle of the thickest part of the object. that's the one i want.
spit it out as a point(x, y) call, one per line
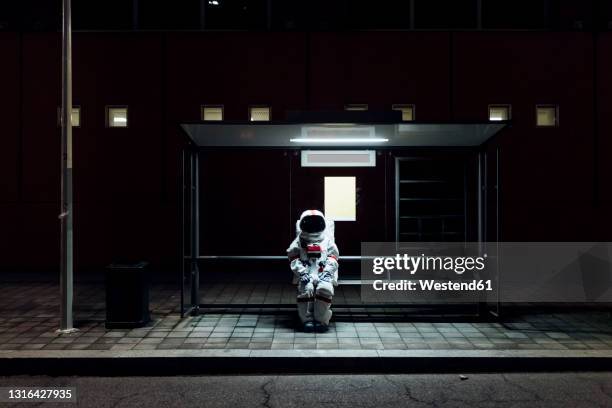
point(555, 182)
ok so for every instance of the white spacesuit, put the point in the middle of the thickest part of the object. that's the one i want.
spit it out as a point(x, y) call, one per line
point(314, 261)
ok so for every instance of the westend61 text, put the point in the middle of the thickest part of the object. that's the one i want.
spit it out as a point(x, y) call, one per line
point(433, 285)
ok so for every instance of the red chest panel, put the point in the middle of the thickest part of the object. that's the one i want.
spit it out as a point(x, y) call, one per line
point(313, 251)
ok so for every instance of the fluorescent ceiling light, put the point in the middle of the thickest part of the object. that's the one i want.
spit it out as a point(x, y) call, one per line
point(363, 135)
point(119, 119)
point(339, 140)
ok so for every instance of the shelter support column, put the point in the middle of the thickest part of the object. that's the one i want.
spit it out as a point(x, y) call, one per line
point(195, 230)
point(182, 201)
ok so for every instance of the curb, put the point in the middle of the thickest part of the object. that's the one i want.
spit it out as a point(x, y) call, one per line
point(194, 362)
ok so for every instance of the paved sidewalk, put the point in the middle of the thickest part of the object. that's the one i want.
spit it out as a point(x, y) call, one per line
point(28, 319)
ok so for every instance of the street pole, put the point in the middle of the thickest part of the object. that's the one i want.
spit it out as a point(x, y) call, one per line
point(66, 255)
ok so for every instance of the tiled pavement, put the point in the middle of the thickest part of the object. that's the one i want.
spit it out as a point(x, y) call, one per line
point(28, 322)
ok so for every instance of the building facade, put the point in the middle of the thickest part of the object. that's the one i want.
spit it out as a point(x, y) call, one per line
point(556, 179)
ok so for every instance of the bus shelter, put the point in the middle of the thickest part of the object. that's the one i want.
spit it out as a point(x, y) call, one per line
point(337, 137)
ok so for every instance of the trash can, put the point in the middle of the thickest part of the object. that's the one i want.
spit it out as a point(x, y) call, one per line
point(127, 295)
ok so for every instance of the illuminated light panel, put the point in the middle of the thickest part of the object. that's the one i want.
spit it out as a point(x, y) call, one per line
point(340, 198)
point(75, 117)
point(338, 158)
point(498, 113)
point(356, 107)
point(117, 117)
point(546, 116)
point(259, 113)
point(212, 113)
point(339, 140)
point(407, 112)
point(339, 135)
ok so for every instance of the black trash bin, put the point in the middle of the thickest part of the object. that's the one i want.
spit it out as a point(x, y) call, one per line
point(127, 295)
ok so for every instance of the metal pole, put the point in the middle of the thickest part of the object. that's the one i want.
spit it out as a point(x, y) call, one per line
point(483, 308)
point(480, 212)
point(135, 15)
point(195, 287)
point(66, 255)
point(498, 236)
point(202, 14)
point(182, 237)
point(485, 194)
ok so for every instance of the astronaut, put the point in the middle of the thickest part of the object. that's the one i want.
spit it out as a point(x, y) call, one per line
point(313, 256)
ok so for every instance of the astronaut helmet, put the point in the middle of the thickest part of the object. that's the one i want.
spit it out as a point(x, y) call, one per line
point(311, 226)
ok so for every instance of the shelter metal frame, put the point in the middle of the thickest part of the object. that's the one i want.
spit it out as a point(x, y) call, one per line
point(189, 263)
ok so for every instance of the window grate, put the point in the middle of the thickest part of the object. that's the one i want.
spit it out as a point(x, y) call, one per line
point(117, 116)
point(212, 113)
point(407, 112)
point(260, 114)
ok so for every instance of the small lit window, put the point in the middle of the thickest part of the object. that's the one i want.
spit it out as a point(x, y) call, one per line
point(407, 112)
point(212, 112)
point(547, 115)
point(356, 107)
point(259, 113)
point(75, 116)
point(341, 198)
point(499, 113)
point(117, 116)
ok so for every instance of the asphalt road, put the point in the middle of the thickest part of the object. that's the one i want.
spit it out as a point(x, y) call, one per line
point(350, 391)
